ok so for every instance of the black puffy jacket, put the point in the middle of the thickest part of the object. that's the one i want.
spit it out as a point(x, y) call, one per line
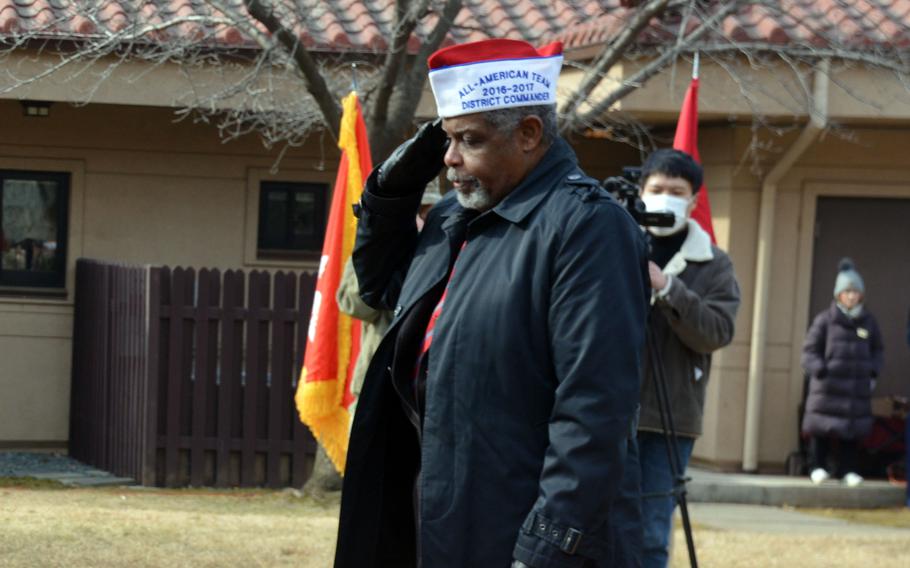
point(841, 356)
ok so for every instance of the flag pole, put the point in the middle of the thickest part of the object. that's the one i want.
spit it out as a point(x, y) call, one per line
point(686, 139)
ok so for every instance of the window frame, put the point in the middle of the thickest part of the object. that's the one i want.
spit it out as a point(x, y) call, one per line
point(320, 192)
point(36, 282)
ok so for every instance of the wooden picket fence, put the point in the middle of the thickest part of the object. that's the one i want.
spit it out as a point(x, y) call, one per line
point(187, 378)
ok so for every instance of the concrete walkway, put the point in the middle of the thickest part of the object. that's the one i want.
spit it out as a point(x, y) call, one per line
point(776, 520)
point(87, 478)
point(781, 490)
point(704, 488)
point(57, 467)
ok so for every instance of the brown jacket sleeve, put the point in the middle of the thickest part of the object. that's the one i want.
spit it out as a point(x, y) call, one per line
point(704, 322)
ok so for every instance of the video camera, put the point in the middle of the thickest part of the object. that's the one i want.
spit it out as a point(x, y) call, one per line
point(626, 190)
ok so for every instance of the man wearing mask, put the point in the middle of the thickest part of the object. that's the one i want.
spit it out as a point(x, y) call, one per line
point(695, 297)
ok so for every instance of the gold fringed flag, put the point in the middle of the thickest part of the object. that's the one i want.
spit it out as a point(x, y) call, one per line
point(333, 338)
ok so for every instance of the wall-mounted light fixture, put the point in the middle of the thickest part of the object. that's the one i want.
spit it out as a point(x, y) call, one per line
point(36, 108)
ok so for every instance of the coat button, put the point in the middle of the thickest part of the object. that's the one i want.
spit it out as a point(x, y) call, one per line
point(397, 310)
point(574, 177)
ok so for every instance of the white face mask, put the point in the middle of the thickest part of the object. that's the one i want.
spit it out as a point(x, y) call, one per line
point(662, 203)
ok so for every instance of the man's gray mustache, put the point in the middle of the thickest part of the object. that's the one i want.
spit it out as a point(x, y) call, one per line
point(453, 176)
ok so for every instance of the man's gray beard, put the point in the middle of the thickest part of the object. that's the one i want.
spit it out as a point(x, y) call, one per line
point(479, 198)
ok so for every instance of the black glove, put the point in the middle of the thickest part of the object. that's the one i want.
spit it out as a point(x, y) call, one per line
point(415, 163)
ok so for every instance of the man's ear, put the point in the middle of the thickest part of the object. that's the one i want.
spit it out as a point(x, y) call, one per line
point(693, 201)
point(530, 133)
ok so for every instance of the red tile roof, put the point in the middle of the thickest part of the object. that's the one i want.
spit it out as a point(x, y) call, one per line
point(367, 25)
point(337, 25)
point(855, 23)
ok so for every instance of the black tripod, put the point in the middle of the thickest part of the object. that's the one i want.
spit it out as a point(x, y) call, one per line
point(678, 491)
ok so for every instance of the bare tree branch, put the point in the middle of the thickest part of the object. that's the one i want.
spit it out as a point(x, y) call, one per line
point(245, 69)
point(892, 62)
point(411, 87)
point(408, 14)
point(315, 82)
point(653, 68)
point(417, 75)
point(441, 30)
point(615, 51)
point(104, 45)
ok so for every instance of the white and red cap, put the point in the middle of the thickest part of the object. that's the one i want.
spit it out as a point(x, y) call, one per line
point(492, 74)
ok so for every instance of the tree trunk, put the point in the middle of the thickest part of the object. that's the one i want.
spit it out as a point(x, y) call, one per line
point(385, 136)
point(325, 478)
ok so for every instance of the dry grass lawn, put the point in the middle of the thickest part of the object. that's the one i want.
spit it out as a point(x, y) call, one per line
point(136, 527)
point(41, 526)
point(753, 550)
point(740, 549)
point(897, 517)
point(716, 548)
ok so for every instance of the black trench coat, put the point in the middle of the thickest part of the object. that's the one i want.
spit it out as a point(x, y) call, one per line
point(533, 379)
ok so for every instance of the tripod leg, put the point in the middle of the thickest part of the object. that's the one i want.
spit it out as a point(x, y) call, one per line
point(669, 429)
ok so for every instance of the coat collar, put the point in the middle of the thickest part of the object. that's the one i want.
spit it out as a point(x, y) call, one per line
point(558, 161)
point(696, 248)
point(838, 314)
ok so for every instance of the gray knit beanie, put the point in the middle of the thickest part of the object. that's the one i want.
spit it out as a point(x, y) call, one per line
point(848, 278)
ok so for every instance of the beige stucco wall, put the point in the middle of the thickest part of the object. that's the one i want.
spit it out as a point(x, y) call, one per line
point(739, 90)
point(863, 156)
point(34, 378)
point(144, 190)
point(867, 163)
point(147, 190)
point(850, 162)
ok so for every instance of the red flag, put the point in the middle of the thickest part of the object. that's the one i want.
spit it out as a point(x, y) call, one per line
point(686, 139)
point(333, 339)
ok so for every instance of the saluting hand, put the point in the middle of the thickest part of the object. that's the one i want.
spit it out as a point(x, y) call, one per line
point(415, 163)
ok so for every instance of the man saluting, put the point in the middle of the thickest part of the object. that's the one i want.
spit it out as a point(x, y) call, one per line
point(497, 412)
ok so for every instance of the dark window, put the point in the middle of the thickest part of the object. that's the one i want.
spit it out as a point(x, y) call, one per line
point(292, 219)
point(35, 208)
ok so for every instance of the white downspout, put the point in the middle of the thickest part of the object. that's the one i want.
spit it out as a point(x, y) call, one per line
point(818, 121)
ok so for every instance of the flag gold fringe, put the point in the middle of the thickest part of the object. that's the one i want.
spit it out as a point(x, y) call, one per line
point(319, 403)
point(319, 406)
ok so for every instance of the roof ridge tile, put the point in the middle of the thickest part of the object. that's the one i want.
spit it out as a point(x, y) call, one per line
point(367, 24)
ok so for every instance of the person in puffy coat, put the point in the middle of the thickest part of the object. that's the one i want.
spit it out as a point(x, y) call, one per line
point(842, 355)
